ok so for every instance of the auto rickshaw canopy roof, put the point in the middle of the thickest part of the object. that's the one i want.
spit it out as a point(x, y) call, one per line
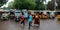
point(5, 10)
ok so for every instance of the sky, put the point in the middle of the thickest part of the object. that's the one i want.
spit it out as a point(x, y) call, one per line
point(6, 5)
point(47, 1)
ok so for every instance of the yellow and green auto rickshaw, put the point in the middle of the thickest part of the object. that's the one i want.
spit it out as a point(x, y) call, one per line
point(5, 15)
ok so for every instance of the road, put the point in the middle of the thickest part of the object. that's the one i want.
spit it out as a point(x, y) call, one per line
point(45, 24)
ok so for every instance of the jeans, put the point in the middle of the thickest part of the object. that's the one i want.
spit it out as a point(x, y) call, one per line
point(30, 24)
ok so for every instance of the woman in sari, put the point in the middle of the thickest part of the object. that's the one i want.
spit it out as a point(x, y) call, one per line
point(36, 19)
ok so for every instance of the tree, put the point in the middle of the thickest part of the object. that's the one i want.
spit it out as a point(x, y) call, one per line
point(58, 2)
point(10, 5)
point(24, 4)
point(50, 5)
point(2, 2)
point(27, 4)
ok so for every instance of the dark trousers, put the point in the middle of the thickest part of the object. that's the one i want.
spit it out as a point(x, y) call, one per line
point(0, 15)
point(30, 24)
point(22, 22)
point(26, 18)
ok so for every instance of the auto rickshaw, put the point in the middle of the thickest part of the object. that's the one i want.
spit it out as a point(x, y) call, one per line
point(12, 14)
point(48, 14)
point(58, 15)
point(17, 19)
point(5, 15)
point(43, 16)
point(40, 13)
point(52, 14)
point(17, 15)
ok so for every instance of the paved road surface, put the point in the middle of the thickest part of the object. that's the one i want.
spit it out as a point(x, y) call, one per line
point(48, 24)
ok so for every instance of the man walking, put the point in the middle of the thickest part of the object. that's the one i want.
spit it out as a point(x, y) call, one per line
point(30, 20)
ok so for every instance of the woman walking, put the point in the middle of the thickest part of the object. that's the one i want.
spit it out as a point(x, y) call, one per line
point(23, 19)
point(36, 19)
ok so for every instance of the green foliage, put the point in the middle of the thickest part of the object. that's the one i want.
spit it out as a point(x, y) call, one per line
point(26, 4)
point(58, 2)
point(2, 2)
point(50, 5)
point(10, 5)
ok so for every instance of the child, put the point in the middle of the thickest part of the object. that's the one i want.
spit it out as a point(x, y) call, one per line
point(23, 19)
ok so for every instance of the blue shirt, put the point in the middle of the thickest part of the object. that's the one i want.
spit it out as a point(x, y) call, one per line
point(30, 18)
point(25, 15)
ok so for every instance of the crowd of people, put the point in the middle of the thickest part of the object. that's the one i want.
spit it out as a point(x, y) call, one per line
point(31, 18)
